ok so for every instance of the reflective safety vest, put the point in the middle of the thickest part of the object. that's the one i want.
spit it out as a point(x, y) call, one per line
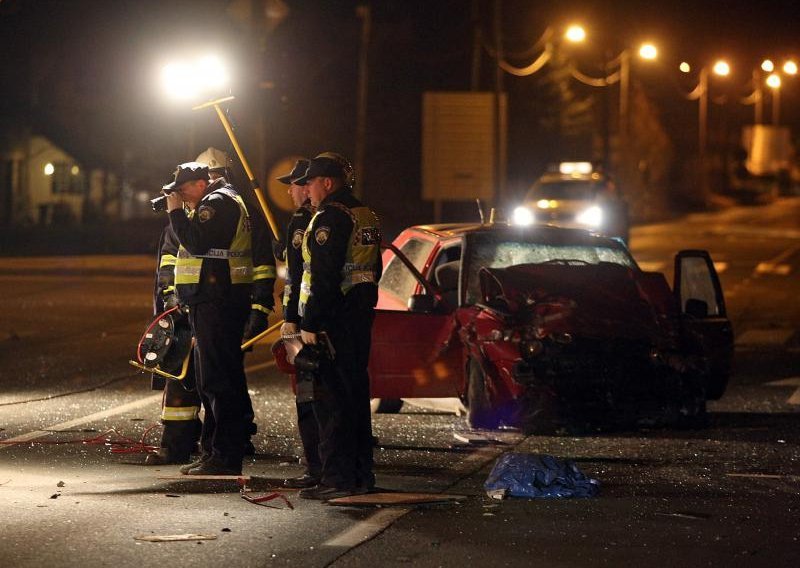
point(363, 252)
point(239, 255)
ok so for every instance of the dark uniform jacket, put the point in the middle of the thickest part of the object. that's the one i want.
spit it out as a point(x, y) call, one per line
point(212, 226)
point(327, 302)
point(294, 260)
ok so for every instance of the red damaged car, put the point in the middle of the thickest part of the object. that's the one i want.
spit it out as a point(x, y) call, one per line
point(538, 327)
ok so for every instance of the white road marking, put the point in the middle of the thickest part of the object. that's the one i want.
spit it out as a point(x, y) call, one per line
point(764, 337)
point(367, 529)
point(778, 264)
point(378, 522)
point(83, 420)
point(102, 414)
point(790, 382)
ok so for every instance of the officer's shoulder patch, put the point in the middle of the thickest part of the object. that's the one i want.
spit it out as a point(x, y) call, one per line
point(205, 212)
point(297, 238)
point(321, 235)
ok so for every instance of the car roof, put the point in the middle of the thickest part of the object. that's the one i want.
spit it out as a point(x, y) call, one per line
point(549, 233)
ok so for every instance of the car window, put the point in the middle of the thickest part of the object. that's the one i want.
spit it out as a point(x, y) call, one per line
point(495, 251)
point(397, 279)
point(697, 284)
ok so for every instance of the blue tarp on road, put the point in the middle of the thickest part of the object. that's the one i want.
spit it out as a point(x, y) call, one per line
point(538, 475)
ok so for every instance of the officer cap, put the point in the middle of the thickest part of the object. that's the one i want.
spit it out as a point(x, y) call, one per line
point(329, 164)
point(298, 171)
point(188, 171)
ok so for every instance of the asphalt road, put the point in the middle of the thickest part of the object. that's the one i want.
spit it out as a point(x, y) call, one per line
point(726, 495)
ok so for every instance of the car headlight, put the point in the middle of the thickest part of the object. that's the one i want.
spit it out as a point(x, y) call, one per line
point(522, 216)
point(591, 217)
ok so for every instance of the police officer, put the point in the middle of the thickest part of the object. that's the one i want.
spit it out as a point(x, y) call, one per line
point(306, 423)
point(213, 277)
point(339, 290)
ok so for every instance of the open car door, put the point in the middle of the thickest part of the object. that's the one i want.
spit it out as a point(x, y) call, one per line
point(415, 353)
point(704, 320)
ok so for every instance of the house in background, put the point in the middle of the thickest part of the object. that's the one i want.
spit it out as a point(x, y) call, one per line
point(41, 183)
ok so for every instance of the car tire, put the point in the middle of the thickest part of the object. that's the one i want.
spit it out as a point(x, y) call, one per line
point(385, 405)
point(480, 413)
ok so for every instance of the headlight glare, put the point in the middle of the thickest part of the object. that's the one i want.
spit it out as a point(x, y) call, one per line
point(591, 217)
point(522, 216)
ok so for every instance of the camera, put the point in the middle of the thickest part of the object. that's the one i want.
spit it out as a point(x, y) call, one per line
point(159, 203)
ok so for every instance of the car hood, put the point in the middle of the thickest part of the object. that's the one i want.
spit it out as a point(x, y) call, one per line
point(599, 300)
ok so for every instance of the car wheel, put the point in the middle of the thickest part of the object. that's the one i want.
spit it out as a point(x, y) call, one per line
point(480, 413)
point(385, 405)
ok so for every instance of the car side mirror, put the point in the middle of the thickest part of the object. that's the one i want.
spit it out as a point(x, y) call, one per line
point(696, 308)
point(422, 303)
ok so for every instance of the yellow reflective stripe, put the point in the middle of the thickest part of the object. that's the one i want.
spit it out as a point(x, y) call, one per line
point(167, 260)
point(177, 413)
point(260, 308)
point(168, 290)
point(264, 271)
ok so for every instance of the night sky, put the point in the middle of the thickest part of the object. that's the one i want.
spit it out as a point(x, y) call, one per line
point(85, 72)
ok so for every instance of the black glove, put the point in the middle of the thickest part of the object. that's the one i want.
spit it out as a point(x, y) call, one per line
point(279, 250)
point(256, 323)
point(170, 301)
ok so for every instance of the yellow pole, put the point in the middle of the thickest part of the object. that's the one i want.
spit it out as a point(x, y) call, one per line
point(253, 181)
point(261, 335)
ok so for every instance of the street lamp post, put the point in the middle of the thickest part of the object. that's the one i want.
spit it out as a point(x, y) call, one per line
point(200, 79)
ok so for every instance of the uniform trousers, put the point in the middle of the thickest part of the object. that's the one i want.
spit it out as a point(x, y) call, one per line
point(341, 403)
point(218, 326)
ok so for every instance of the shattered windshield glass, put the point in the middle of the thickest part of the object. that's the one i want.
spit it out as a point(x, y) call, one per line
point(501, 250)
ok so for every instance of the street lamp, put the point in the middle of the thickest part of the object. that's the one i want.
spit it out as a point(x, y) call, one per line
point(700, 93)
point(202, 79)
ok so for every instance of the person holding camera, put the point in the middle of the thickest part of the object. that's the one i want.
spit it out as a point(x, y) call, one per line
point(213, 278)
point(338, 293)
point(181, 403)
point(292, 253)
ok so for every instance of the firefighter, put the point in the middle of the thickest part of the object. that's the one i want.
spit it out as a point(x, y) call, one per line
point(180, 405)
point(338, 293)
point(292, 254)
point(264, 272)
point(213, 278)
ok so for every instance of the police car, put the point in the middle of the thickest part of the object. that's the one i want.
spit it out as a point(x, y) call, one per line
point(576, 196)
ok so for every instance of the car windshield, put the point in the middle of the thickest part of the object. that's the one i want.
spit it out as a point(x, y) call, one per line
point(504, 249)
point(577, 190)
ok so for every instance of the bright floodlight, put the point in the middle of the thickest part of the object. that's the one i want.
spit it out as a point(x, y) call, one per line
point(767, 66)
point(722, 68)
point(190, 79)
point(575, 33)
point(684, 67)
point(648, 51)
point(774, 81)
point(522, 216)
point(49, 169)
point(790, 68)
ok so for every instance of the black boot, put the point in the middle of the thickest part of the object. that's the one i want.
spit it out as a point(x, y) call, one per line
point(166, 456)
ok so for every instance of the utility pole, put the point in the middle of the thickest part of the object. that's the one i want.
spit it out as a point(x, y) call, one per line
point(363, 11)
point(499, 174)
